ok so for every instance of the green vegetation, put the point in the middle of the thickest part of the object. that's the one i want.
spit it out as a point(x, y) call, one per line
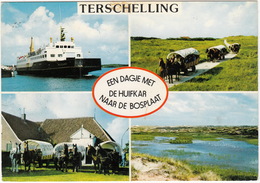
point(248, 134)
point(238, 74)
point(225, 174)
point(114, 65)
point(181, 140)
point(182, 170)
point(50, 174)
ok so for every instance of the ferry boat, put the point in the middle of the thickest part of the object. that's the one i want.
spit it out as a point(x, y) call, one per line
point(59, 59)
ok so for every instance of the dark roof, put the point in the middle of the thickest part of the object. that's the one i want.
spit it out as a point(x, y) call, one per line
point(25, 129)
point(60, 130)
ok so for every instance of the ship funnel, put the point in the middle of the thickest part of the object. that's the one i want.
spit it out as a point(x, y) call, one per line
point(72, 39)
point(62, 34)
point(32, 45)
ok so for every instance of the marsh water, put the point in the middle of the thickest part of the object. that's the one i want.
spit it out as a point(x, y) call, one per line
point(35, 83)
point(226, 153)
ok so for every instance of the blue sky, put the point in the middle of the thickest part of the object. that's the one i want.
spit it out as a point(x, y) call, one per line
point(105, 37)
point(41, 106)
point(200, 109)
point(199, 19)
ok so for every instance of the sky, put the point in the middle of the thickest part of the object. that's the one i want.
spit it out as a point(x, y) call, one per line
point(107, 36)
point(202, 109)
point(41, 106)
point(199, 19)
point(104, 37)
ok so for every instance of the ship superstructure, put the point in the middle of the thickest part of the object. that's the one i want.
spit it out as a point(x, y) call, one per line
point(61, 59)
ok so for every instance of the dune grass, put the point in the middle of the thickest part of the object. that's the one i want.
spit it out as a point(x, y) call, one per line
point(182, 170)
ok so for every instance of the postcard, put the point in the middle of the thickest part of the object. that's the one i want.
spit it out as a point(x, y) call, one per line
point(129, 91)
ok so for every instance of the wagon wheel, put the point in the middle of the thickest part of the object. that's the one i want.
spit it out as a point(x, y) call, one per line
point(185, 71)
point(193, 68)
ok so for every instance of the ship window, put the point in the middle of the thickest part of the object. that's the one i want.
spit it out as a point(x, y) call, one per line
point(61, 46)
point(59, 55)
point(52, 55)
point(78, 55)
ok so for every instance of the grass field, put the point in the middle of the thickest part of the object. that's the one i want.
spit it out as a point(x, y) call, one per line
point(238, 74)
point(50, 174)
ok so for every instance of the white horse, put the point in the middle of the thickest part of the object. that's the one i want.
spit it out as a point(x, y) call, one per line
point(15, 156)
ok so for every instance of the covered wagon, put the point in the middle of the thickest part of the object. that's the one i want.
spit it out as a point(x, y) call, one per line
point(234, 48)
point(216, 52)
point(43, 150)
point(59, 149)
point(111, 146)
point(188, 58)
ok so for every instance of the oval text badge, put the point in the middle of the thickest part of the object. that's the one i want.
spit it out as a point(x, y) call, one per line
point(130, 92)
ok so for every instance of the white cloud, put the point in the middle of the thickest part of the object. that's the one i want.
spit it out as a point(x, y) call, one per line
point(214, 19)
point(39, 106)
point(89, 33)
point(205, 109)
point(117, 128)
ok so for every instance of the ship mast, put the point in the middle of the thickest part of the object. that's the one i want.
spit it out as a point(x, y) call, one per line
point(62, 34)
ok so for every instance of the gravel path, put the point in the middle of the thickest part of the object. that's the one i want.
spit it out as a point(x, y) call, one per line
point(200, 68)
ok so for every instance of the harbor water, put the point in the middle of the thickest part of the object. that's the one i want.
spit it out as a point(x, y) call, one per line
point(26, 83)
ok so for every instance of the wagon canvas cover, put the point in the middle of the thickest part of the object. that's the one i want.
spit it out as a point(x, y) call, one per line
point(184, 53)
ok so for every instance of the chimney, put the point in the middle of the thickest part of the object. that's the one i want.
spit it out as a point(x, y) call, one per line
point(32, 45)
point(23, 116)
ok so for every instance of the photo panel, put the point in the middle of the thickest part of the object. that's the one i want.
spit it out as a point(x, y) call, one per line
point(63, 136)
point(202, 46)
point(48, 46)
point(198, 136)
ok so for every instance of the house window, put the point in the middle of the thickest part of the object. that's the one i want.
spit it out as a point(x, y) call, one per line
point(52, 55)
point(8, 146)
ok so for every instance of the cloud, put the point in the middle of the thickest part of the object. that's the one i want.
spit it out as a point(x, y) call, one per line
point(91, 33)
point(205, 109)
point(41, 106)
point(117, 128)
point(207, 19)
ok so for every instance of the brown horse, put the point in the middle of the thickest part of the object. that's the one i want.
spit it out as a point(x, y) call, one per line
point(29, 157)
point(173, 68)
point(91, 152)
point(162, 68)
